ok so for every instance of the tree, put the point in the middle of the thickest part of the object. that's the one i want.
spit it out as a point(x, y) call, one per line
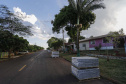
point(51, 40)
point(113, 37)
point(84, 6)
point(6, 41)
point(72, 40)
point(20, 44)
point(98, 48)
point(12, 23)
point(12, 43)
point(34, 48)
point(67, 18)
point(55, 43)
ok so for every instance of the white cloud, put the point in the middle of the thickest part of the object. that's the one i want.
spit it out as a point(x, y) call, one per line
point(110, 19)
point(40, 30)
point(29, 18)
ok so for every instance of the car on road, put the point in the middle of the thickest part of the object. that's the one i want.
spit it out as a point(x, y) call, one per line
point(23, 52)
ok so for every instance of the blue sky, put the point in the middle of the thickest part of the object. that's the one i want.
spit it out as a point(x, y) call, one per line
point(39, 13)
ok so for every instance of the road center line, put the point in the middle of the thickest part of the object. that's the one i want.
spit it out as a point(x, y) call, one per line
point(38, 54)
point(32, 59)
point(22, 68)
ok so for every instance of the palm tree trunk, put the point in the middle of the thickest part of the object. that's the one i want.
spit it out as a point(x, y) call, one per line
point(78, 52)
point(63, 41)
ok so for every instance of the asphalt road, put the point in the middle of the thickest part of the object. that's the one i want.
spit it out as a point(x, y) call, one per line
point(40, 68)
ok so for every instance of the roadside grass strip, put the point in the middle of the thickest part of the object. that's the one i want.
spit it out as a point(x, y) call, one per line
point(114, 69)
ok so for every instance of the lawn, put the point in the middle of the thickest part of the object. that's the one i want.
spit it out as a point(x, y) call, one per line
point(113, 69)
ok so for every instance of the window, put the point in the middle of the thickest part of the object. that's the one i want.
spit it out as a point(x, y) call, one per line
point(105, 40)
point(93, 42)
point(84, 45)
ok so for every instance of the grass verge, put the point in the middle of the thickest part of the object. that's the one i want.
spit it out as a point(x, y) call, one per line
point(113, 69)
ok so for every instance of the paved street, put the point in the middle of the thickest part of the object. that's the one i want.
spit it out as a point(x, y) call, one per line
point(40, 68)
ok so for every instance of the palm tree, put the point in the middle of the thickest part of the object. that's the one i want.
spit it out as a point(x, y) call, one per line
point(81, 7)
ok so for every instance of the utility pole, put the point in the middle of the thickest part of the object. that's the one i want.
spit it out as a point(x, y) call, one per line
point(63, 41)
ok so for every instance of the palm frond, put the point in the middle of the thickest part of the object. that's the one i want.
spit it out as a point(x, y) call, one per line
point(84, 3)
point(96, 6)
point(73, 3)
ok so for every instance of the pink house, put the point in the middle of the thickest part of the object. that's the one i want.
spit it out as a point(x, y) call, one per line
point(91, 43)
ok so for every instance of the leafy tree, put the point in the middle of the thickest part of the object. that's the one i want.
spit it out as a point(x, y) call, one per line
point(51, 40)
point(20, 44)
point(82, 7)
point(98, 48)
point(72, 40)
point(12, 23)
point(6, 41)
point(67, 18)
point(10, 42)
point(34, 48)
point(113, 37)
point(81, 37)
point(55, 43)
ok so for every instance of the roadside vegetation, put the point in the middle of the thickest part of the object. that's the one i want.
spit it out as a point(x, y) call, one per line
point(55, 43)
point(114, 69)
point(12, 31)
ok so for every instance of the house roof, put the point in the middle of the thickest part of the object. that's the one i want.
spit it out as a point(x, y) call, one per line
point(97, 37)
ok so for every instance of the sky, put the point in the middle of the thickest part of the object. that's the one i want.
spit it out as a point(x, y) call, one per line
point(39, 14)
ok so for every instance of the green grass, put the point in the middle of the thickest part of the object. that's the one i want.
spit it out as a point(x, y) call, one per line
point(67, 56)
point(113, 69)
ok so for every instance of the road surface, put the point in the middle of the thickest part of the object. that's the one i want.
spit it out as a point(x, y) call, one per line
point(40, 68)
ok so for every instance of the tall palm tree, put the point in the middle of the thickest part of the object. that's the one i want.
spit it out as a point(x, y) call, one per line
point(81, 7)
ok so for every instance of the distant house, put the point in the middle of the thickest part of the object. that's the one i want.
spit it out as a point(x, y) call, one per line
point(68, 47)
point(91, 43)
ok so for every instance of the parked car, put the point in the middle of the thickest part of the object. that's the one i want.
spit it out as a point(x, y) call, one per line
point(23, 52)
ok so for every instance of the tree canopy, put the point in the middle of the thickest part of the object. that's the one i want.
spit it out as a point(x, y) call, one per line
point(55, 43)
point(72, 40)
point(83, 7)
point(10, 22)
point(67, 18)
point(33, 48)
point(12, 43)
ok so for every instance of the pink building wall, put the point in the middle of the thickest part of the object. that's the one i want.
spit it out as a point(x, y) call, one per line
point(99, 41)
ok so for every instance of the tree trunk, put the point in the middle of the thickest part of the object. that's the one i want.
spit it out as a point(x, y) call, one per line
point(0, 54)
point(9, 54)
point(107, 53)
point(78, 52)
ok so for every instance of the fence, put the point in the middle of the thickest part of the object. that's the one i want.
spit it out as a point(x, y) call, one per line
point(3, 54)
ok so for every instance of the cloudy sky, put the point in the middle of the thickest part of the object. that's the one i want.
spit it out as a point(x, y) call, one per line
point(39, 14)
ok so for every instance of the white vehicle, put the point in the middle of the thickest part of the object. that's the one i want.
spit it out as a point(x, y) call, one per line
point(23, 52)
